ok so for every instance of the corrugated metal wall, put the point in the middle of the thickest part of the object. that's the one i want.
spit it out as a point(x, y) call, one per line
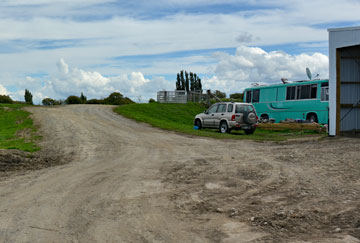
point(350, 91)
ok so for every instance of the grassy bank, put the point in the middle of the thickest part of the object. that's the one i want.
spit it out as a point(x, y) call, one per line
point(180, 118)
point(16, 128)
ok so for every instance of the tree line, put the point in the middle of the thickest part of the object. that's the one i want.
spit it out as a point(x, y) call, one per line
point(114, 98)
point(190, 81)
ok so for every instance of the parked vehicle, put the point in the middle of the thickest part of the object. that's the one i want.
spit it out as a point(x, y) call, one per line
point(300, 100)
point(226, 116)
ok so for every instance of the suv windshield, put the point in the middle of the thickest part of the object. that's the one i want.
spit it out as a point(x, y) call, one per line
point(212, 109)
point(222, 108)
point(243, 108)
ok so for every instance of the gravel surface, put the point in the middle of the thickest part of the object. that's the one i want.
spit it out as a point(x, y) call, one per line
point(116, 180)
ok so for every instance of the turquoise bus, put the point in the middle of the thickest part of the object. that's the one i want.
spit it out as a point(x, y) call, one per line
point(303, 100)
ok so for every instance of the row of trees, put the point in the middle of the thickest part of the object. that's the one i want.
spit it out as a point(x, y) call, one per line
point(6, 99)
point(189, 81)
point(114, 98)
point(185, 81)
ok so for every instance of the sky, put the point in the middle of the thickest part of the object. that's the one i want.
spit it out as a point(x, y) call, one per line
point(57, 48)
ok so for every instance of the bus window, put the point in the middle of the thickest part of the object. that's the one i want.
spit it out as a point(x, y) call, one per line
point(324, 92)
point(313, 91)
point(303, 92)
point(307, 92)
point(290, 92)
point(248, 96)
point(256, 95)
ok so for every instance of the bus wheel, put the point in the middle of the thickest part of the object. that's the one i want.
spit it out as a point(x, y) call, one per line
point(313, 118)
point(264, 118)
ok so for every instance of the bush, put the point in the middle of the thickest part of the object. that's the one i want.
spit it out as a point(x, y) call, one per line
point(72, 99)
point(49, 101)
point(6, 99)
point(237, 96)
point(220, 94)
point(127, 101)
point(95, 102)
point(152, 100)
point(116, 98)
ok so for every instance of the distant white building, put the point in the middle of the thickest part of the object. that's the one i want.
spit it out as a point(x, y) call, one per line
point(344, 80)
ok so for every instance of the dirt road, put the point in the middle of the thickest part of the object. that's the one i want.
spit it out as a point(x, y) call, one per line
point(129, 182)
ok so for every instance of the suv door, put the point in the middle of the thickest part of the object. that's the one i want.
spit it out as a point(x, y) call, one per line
point(219, 114)
point(208, 118)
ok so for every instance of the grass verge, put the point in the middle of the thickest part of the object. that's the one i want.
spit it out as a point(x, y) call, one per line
point(17, 130)
point(180, 118)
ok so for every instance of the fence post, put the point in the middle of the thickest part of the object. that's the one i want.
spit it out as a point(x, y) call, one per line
point(208, 92)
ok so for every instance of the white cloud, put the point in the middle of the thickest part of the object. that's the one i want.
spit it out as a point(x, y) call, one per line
point(233, 73)
point(3, 91)
point(72, 81)
point(96, 31)
point(97, 41)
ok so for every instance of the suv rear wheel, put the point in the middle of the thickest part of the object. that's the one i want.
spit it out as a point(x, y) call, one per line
point(249, 131)
point(223, 128)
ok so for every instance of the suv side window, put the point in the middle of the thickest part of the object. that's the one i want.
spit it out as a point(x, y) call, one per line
point(212, 109)
point(230, 108)
point(239, 109)
point(222, 108)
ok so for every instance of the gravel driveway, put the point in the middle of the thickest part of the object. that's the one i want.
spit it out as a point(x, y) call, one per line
point(122, 181)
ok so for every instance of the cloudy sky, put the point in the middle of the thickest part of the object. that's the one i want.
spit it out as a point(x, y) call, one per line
point(57, 48)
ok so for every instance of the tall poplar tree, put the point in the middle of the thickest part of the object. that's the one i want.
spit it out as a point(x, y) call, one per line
point(28, 97)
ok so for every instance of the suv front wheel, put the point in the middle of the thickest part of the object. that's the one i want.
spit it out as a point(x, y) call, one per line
point(198, 124)
point(223, 128)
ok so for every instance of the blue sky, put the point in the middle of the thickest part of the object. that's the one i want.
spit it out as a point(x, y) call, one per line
point(58, 48)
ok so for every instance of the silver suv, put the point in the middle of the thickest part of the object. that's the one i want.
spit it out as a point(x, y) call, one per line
point(226, 116)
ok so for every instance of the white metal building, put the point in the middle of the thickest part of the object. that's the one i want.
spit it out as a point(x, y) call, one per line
point(344, 80)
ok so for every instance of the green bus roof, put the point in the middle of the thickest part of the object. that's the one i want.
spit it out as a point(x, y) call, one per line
point(294, 83)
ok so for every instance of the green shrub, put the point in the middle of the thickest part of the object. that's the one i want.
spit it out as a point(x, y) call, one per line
point(95, 102)
point(116, 98)
point(152, 100)
point(6, 99)
point(49, 101)
point(72, 99)
point(220, 94)
point(237, 96)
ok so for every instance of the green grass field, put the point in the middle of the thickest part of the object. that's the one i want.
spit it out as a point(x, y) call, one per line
point(16, 128)
point(180, 118)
